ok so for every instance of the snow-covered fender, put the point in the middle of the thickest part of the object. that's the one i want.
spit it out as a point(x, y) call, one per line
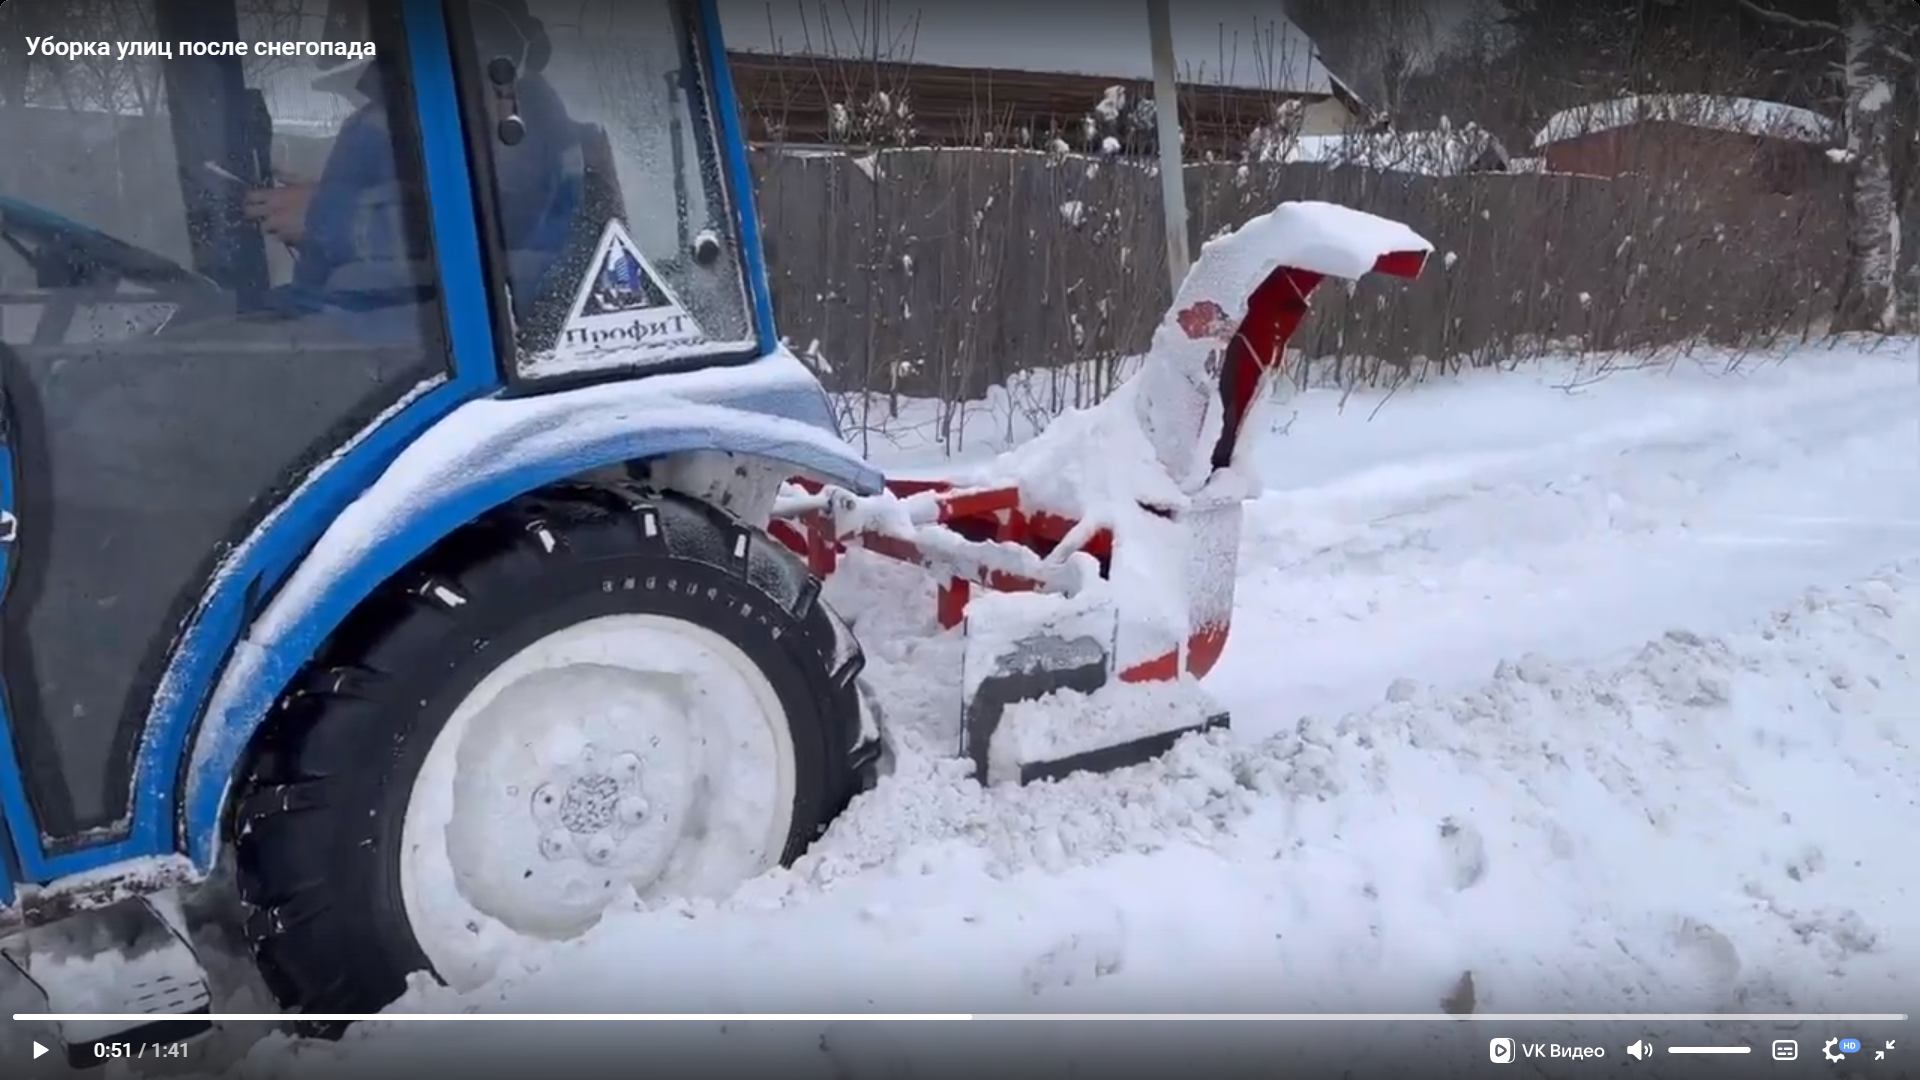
point(482, 455)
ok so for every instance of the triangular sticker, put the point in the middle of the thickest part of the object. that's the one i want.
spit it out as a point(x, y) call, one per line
point(623, 303)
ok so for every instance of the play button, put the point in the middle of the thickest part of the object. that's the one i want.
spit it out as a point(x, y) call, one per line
point(38, 1050)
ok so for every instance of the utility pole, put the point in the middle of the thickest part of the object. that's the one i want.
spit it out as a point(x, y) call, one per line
point(1166, 115)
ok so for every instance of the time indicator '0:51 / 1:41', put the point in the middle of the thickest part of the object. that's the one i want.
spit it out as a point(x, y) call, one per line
point(136, 1051)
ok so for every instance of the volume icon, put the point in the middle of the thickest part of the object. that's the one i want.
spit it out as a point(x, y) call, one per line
point(1640, 1050)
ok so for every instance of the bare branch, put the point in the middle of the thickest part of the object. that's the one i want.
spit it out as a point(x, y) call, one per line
point(1781, 18)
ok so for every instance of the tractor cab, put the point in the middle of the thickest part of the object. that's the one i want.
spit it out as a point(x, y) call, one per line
point(263, 262)
point(232, 246)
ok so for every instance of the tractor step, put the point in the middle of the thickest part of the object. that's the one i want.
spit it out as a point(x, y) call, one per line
point(126, 970)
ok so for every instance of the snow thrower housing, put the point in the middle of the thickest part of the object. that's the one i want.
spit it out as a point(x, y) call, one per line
point(1164, 519)
point(412, 537)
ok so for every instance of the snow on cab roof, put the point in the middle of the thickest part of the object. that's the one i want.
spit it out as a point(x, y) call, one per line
point(1741, 116)
point(1216, 42)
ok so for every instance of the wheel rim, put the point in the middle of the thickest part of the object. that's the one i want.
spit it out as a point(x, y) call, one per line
point(627, 757)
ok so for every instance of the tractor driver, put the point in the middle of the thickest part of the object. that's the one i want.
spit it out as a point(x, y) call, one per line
point(354, 215)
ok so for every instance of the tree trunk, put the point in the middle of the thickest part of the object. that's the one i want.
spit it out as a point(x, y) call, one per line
point(1906, 182)
point(1868, 300)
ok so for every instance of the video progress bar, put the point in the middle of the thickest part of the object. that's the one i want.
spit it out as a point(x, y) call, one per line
point(951, 1017)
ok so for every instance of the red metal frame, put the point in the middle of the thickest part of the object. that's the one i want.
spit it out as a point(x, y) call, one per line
point(979, 514)
point(1252, 347)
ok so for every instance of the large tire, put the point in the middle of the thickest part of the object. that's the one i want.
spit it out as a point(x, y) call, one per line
point(320, 817)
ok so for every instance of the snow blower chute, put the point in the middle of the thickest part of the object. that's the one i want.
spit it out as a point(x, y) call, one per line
point(1092, 569)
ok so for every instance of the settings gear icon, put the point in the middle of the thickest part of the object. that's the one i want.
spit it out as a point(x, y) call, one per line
point(1828, 1051)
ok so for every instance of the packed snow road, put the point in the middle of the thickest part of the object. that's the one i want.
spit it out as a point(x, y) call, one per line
point(1608, 700)
point(1497, 516)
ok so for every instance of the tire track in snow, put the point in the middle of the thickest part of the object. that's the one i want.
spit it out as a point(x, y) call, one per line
point(1606, 463)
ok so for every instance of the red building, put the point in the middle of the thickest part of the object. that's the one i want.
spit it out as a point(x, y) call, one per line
point(1724, 142)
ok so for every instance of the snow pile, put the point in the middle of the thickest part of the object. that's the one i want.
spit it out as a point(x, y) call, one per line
point(1088, 463)
point(1705, 824)
point(1789, 712)
point(1737, 115)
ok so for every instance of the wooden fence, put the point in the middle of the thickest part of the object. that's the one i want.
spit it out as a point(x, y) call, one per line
point(940, 272)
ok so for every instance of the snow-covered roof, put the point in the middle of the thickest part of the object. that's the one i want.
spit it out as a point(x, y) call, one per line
point(1741, 116)
point(1216, 42)
point(1430, 153)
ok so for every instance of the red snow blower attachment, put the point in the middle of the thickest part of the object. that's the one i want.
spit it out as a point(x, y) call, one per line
point(1092, 568)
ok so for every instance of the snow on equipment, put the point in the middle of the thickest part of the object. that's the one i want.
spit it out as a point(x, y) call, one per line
point(1099, 558)
point(391, 570)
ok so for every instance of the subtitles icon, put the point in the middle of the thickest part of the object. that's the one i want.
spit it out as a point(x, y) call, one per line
point(1785, 1050)
point(1500, 1051)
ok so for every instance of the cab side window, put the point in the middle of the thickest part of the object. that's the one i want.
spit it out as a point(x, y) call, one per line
point(214, 271)
point(217, 195)
point(620, 237)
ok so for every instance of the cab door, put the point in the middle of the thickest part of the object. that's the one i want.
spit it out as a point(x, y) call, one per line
point(612, 166)
point(179, 346)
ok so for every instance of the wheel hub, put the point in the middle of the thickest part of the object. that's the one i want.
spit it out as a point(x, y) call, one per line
point(627, 756)
point(585, 812)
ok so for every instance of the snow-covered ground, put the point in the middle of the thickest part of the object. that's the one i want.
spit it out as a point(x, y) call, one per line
point(1604, 696)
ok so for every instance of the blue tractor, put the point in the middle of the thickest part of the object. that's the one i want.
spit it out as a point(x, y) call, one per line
point(413, 531)
point(391, 392)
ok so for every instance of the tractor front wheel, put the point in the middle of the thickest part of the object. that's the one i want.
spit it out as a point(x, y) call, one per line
point(585, 699)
